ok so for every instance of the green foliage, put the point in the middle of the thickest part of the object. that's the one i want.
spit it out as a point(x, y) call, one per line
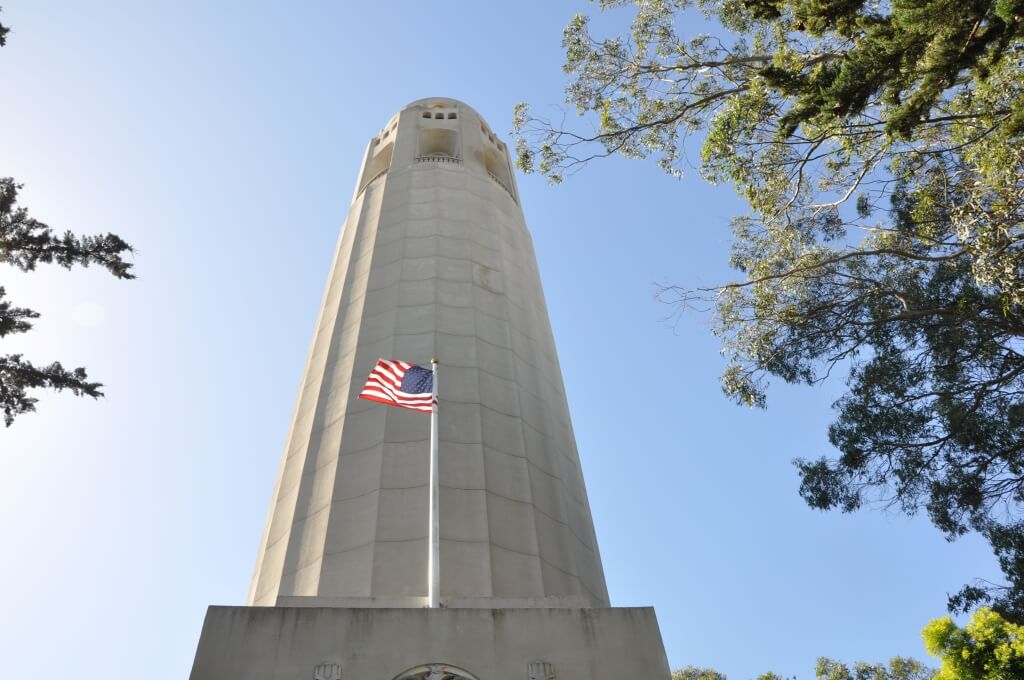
point(880, 147)
point(988, 648)
point(898, 668)
point(17, 376)
point(695, 673)
point(24, 243)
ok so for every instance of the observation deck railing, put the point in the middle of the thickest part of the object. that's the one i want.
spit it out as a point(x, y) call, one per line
point(438, 158)
point(441, 158)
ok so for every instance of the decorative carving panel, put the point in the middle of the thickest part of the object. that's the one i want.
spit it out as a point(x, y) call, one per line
point(327, 670)
point(541, 670)
point(435, 671)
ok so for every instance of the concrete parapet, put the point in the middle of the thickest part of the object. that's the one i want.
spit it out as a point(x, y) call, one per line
point(331, 643)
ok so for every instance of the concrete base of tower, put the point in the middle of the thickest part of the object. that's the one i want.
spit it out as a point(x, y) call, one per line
point(333, 643)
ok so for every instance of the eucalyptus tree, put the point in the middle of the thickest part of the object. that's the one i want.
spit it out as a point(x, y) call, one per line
point(898, 668)
point(880, 147)
point(988, 648)
point(697, 673)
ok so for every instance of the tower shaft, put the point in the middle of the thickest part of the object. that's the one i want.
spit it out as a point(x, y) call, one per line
point(434, 259)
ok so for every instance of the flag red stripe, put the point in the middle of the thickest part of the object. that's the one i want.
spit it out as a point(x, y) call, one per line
point(398, 368)
point(387, 374)
point(416, 402)
point(386, 377)
point(397, 394)
point(424, 409)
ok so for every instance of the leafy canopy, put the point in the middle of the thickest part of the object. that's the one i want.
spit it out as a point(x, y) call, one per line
point(880, 147)
point(898, 668)
point(987, 648)
point(696, 673)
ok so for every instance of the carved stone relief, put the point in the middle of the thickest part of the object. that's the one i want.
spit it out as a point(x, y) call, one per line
point(327, 670)
point(435, 671)
point(541, 670)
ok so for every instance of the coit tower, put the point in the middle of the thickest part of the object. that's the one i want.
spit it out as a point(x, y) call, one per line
point(434, 260)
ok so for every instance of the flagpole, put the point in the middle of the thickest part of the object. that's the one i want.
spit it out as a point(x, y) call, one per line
point(434, 539)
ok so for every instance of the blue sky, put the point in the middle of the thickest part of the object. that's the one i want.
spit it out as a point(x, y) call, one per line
point(223, 140)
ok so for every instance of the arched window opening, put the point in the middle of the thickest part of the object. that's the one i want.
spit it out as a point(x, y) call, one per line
point(377, 165)
point(438, 142)
point(497, 167)
point(435, 671)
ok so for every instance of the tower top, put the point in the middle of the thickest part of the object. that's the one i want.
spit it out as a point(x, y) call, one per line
point(438, 130)
point(439, 102)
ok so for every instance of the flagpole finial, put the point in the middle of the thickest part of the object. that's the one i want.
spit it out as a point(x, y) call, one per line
point(434, 360)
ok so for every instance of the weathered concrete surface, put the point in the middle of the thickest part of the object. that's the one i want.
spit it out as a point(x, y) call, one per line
point(289, 643)
point(434, 259)
point(557, 602)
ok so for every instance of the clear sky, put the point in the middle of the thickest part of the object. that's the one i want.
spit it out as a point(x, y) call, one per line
point(223, 139)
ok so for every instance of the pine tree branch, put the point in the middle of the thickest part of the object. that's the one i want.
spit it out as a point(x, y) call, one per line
point(26, 242)
point(13, 319)
point(18, 375)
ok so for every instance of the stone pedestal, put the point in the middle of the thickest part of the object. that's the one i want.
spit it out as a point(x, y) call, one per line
point(333, 643)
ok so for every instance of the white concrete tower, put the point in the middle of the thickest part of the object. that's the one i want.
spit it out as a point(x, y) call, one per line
point(434, 259)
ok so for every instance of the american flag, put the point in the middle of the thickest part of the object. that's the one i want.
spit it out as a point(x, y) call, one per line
point(397, 383)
